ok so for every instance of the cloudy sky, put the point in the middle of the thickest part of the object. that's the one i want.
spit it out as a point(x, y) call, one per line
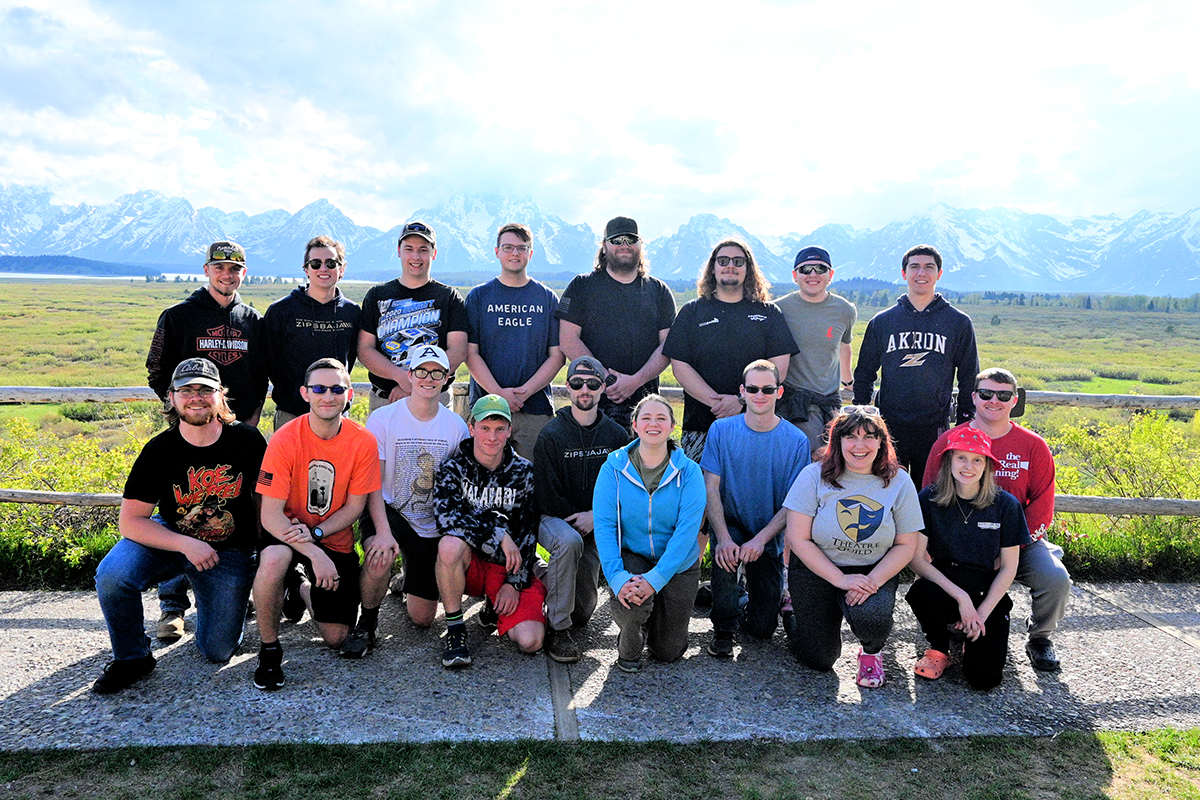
point(781, 116)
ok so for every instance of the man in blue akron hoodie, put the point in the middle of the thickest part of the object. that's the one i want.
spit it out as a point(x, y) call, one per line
point(315, 321)
point(916, 346)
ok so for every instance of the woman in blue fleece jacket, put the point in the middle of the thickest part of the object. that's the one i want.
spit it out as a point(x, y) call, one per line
point(647, 509)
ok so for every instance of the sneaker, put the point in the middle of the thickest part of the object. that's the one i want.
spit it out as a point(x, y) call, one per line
point(396, 586)
point(455, 653)
point(293, 601)
point(1041, 654)
point(119, 675)
point(561, 647)
point(488, 618)
point(359, 642)
point(630, 665)
point(170, 626)
point(268, 676)
point(721, 645)
point(870, 671)
point(785, 605)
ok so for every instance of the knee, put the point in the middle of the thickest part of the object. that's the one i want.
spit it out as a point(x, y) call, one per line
point(421, 611)
point(451, 550)
point(274, 561)
point(667, 654)
point(561, 540)
point(528, 636)
point(218, 652)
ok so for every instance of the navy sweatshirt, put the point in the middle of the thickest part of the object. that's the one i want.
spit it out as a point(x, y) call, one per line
point(297, 331)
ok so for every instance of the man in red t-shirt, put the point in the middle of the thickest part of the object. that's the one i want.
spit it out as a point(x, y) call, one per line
point(316, 476)
point(1026, 470)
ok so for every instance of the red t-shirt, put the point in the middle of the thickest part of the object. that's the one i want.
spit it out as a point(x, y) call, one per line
point(315, 476)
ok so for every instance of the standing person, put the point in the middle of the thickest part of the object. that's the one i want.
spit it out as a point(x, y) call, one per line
point(211, 323)
point(483, 494)
point(200, 474)
point(512, 338)
point(730, 323)
point(1025, 469)
point(822, 323)
point(852, 525)
point(648, 505)
point(970, 528)
point(315, 321)
point(413, 437)
point(745, 506)
point(619, 315)
point(407, 312)
point(316, 477)
point(917, 346)
point(570, 451)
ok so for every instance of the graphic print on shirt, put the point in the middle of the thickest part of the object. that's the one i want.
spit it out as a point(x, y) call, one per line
point(222, 344)
point(201, 508)
point(859, 517)
point(321, 476)
point(414, 463)
point(404, 324)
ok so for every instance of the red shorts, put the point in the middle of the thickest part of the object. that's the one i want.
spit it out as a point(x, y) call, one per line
point(486, 578)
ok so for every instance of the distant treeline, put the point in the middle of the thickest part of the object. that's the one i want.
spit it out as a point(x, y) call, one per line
point(69, 265)
point(867, 292)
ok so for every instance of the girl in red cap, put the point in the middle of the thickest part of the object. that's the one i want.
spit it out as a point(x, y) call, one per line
point(966, 559)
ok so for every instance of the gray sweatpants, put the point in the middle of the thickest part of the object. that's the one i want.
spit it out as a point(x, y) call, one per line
point(572, 574)
point(1042, 571)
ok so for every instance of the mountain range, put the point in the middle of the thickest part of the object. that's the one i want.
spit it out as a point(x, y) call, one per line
point(1000, 249)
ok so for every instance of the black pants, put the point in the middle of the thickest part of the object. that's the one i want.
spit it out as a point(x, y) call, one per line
point(912, 447)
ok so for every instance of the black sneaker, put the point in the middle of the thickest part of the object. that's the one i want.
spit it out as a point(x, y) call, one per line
point(120, 675)
point(359, 642)
point(1041, 654)
point(293, 601)
point(455, 653)
point(561, 647)
point(269, 674)
point(721, 645)
point(488, 618)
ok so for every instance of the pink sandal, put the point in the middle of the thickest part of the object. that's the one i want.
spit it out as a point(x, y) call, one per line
point(931, 665)
point(870, 671)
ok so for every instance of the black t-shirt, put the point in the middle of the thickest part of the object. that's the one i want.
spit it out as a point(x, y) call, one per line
point(718, 340)
point(976, 541)
point(401, 318)
point(203, 492)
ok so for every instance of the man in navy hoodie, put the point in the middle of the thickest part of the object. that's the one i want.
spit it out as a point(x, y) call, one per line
point(917, 346)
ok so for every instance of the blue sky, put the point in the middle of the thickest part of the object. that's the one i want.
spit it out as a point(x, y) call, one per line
point(780, 116)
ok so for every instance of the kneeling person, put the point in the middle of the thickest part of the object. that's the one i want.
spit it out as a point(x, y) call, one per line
point(316, 477)
point(486, 512)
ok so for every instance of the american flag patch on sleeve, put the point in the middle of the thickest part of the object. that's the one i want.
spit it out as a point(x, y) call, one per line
point(265, 477)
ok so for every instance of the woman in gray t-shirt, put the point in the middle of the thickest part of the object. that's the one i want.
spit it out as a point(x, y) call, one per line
point(852, 525)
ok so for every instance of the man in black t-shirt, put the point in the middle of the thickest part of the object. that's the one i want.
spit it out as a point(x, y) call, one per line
point(407, 312)
point(200, 473)
point(619, 315)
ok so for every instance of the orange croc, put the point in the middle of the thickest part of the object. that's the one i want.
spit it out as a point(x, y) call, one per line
point(931, 665)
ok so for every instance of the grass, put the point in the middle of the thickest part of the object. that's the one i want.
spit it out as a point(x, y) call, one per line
point(1106, 765)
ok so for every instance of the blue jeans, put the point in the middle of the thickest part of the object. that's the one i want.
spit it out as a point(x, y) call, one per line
point(764, 584)
point(221, 593)
point(173, 594)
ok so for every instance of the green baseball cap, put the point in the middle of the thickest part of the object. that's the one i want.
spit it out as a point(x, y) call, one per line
point(490, 405)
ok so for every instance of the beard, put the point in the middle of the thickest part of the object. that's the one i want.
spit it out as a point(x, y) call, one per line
point(586, 403)
point(199, 417)
point(624, 262)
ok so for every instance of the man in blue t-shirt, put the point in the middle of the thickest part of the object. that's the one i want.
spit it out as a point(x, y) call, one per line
point(512, 338)
point(745, 506)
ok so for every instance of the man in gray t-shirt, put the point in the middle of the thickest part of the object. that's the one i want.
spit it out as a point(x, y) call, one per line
point(821, 323)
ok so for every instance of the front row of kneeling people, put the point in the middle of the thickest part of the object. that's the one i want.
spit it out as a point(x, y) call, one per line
point(467, 513)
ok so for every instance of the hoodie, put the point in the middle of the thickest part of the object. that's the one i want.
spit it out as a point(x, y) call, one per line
point(297, 331)
point(568, 457)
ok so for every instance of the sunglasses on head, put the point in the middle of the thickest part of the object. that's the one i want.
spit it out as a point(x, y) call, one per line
point(865, 411)
point(317, 388)
point(593, 384)
point(769, 389)
point(1003, 395)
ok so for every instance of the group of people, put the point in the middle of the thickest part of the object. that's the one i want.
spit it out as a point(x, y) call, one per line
point(600, 484)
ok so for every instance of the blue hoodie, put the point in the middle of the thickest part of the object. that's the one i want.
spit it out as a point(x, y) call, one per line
point(661, 527)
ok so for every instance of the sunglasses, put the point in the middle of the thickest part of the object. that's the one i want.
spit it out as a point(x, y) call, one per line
point(812, 269)
point(624, 240)
point(317, 388)
point(593, 384)
point(763, 389)
point(866, 411)
point(1002, 395)
point(738, 261)
point(316, 263)
point(436, 374)
point(221, 254)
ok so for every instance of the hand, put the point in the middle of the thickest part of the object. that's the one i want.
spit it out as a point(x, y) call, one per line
point(635, 592)
point(397, 393)
point(726, 406)
point(970, 622)
point(856, 598)
point(725, 554)
point(382, 551)
point(623, 388)
point(858, 588)
point(512, 556)
point(515, 400)
point(324, 571)
point(201, 554)
point(296, 533)
point(582, 522)
point(750, 551)
point(506, 600)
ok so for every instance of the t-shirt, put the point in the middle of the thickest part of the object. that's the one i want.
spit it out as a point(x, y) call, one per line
point(820, 329)
point(203, 492)
point(619, 322)
point(976, 540)
point(412, 451)
point(718, 340)
point(857, 524)
point(757, 468)
point(514, 328)
point(315, 477)
point(401, 318)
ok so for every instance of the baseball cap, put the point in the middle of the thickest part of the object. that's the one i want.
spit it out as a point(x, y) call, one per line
point(426, 353)
point(620, 226)
point(196, 370)
point(967, 438)
point(219, 252)
point(416, 228)
point(490, 405)
point(813, 254)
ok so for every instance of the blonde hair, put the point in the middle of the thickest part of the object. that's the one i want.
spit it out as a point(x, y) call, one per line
point(945, 492)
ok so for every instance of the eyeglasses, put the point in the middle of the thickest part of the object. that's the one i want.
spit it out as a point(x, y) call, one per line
point(199, 391)
point(866, 411)
point(812, 269)
point(593, 384)
point(317, 388)
point(1002, 395)
point(624, 240)
point(764, 389)
point(738, 261)
point(515, 248)
point(316, 263)
point(436, 374)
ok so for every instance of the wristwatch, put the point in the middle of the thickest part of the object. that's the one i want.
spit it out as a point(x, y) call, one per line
point(318, 534)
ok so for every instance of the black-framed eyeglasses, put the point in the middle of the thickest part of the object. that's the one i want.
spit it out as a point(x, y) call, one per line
point(866, 411)
point(771, 389)
point(514, 248)
point(738, 261)
point(328, 263)
point(436, 374)
point(812, 269)
point(1003, 395)
point(624, 240)
point(317, 388)
point(195, 391)
point(593, 384)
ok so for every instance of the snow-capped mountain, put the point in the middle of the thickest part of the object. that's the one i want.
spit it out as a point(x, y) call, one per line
point(682, 254)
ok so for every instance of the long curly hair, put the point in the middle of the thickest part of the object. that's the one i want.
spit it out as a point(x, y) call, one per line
point(756, 287)
point(833, 463)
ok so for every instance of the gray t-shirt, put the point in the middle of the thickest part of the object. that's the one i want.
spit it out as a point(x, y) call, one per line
point(857, 524)
point(819, 330)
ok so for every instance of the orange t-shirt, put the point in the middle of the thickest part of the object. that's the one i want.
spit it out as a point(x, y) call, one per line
point(315, 476)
